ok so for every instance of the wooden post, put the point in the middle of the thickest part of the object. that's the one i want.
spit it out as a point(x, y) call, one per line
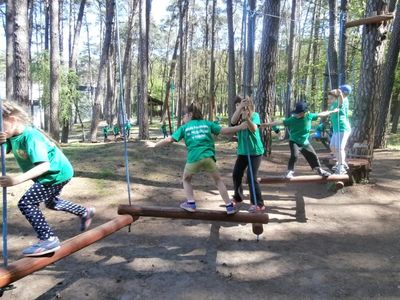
point(200, 214)
point(369, 20)
point(28, 265)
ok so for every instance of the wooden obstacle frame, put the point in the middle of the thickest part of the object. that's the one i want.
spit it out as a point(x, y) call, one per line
point(370, 20)
point(127, 215)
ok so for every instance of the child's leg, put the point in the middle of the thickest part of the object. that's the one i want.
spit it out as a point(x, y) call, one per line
point(255, 164)
point(29, 207)
point(310, 155)
point(294, 154)
point(344, 137)
point(221, 187)
point(237, 176)
point(187, 186)
point(333, 146)
point(52, 201)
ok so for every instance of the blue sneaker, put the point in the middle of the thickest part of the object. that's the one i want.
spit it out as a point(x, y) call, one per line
point(230, 209)
point(42, 247)
point(86, 219)
point(189, 206)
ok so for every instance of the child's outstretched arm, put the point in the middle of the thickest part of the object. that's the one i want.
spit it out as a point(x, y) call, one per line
point(35, 172)
point(328, 112)
point(270, 124)
point(233, 129)
point(164, 142)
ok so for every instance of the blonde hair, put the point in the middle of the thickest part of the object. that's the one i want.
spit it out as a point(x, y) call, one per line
point(11, 109)
point(250, 105)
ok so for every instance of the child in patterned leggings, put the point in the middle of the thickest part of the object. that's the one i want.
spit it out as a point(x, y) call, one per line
point(43, 162)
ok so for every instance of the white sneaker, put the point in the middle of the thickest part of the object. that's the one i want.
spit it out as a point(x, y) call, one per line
point(289, 174)
point(341, 169)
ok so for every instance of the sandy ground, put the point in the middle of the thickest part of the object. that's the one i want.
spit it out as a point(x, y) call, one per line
point(319, 244)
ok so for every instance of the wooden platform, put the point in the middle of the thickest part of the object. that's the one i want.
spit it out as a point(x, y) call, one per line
point(200, 214)
point(304, 179)
point(359, 167)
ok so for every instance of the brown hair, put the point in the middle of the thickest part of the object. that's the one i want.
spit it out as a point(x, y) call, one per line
point(195, 111)
point(238, 99)
point(333, 93)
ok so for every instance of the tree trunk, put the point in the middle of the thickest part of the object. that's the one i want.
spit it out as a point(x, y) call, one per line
point(143, 113)
point(54, 71)
point(396, 115)
point(10, 50)
point(96, 109)
point(290, 59)
point(332, 47)
point(211, 112)
point(74, 47)
point(249, 59)
point(342, 42)
point(21, 52)
point(373, 49)
point(387, 82)
point(315, 48)
point(127, 65)
point(231, 58)
point(46, 25)
point(268, 60)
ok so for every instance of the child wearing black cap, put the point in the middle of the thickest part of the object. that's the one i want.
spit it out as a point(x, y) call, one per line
point(299, 126)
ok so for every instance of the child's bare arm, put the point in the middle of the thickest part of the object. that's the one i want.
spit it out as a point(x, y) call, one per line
point(31, 174)
point(264, 125)
point(233, 129)
point(161, 143)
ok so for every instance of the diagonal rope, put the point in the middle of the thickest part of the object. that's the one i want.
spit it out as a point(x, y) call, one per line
point(3, 173)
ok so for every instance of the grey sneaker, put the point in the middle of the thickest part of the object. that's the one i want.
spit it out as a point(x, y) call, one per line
point(188, 206)
point(87, 218)
point(341, 169)
point(289, 174)
point(42, 247)
point(322, 172)
point(230, 209)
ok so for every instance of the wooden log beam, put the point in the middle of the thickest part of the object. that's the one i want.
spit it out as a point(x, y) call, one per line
point(28, 265)
point(200, 214)
point(369, 20)
point(304, 179)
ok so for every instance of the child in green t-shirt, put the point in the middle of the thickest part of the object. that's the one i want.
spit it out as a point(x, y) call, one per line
point(198, 136)
point(43, 162)
point(116, 131)
point(164, 130)
point(105, 131)
point(128, 127)
point(299, 126)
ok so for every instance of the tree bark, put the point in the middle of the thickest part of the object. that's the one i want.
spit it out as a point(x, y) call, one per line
point(290, 59)
point(342, 42)
point(10, 50)
point(211, 111)
point(143, 112)
point(21, 52)
point(231, 60)
point(249, 59)
point(373, 49)
point(77, 32)
point(96, 108)
point(396, 115)
point(54, 71)
point(332, 47)
point(388, 82)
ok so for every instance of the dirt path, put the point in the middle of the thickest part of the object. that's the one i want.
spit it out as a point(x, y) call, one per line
point(318, 245)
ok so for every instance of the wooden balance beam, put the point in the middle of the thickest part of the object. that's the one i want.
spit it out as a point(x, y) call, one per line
point(28, 265)
point(305, 179)
point(369, 20)
point(200, 214)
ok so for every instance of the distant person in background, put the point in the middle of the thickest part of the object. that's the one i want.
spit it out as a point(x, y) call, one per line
point(105, 131)
point(116, 131)
point(128, 127)
point(164, 130)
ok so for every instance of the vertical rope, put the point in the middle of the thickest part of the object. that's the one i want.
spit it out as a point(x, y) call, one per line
point(121, 105)
point(3, 173)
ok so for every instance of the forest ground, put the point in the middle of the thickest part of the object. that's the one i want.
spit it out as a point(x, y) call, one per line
point(319, 244)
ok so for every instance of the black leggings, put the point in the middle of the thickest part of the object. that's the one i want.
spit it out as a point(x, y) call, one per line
point(238, 172)
point(308, 153)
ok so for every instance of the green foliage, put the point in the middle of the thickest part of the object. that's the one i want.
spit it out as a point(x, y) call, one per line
point(69, 80)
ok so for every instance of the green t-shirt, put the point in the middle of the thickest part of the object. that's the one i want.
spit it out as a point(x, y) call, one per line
point(198, 139)
point(32, 147)
point(340, 120)
point(116, 129)
point(164, 128)
point(105, 129)
point(250, 142)
point(299, 128)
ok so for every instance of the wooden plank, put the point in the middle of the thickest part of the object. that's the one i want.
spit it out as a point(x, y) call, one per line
point(369, 20)
point(29, 265)
point(304, 179)
point(199, 214)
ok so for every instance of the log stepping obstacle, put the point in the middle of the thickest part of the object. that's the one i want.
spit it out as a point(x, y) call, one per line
point(127, 215)
point(257, 219)
point(28, 265)
point(359, 167)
